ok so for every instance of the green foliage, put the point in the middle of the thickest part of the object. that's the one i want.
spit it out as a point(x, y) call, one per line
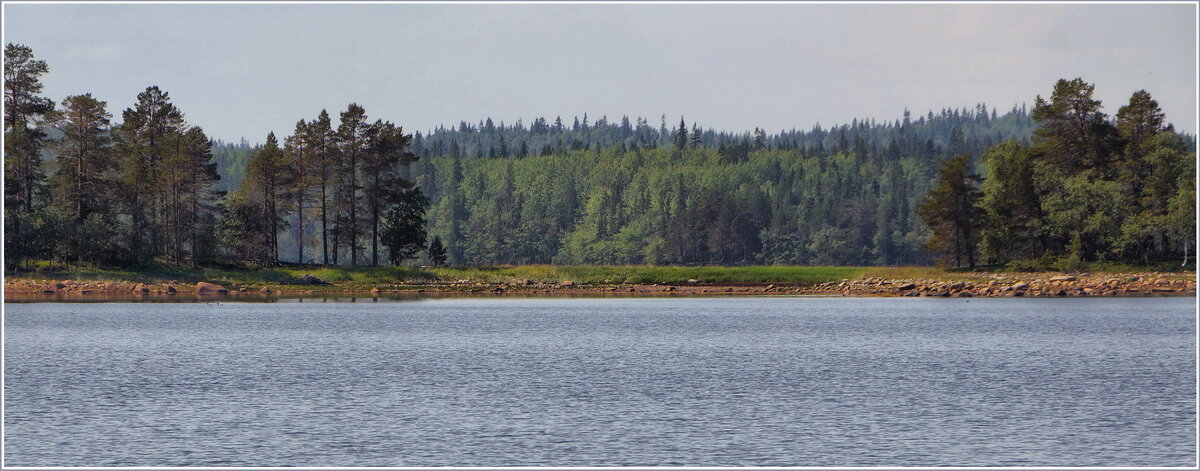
point(437, 252)
point(404, 226)
point(1087, 191)
point(952, 211)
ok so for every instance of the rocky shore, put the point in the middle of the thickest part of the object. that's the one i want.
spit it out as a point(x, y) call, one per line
point(963, 285)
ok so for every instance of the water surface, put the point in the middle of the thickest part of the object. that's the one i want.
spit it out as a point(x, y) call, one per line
point(692, 381)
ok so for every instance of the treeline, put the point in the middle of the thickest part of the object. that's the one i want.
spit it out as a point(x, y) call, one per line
point(1059, 183)
point(967, 129)
point(1088, 188)
point(617, 193)
point(81, 189)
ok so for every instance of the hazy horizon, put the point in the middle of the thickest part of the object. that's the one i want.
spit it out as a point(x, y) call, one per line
point(240, 71)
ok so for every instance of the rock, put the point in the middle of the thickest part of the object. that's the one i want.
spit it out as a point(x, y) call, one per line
point(140, 288)
point(567, 283)
point(265, 290)
point(957, 286)
point(670, 288)
point(908, 286)
point(693, 281)
point(964, 294)
point(770, 287)
point(498, 290)
point(527, 282)
point(311, 280)
point(85, 291)
point(1063, 278)
point(1163, 290)
point(376, 290)
point(1061, 292)
point(1021, 286)
point(171, 289)
point(59, 284)
point(210, 288)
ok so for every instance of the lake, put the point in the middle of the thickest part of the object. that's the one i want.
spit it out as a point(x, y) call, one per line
point(770, 381)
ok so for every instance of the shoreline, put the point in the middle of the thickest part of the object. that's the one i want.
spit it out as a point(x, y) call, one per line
point(993, 285)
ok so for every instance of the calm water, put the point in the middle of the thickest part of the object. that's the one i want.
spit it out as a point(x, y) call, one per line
point(728, 381)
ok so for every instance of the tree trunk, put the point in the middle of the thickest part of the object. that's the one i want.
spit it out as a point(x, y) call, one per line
point(375, 223)
point(324, 221)
point(300, 226)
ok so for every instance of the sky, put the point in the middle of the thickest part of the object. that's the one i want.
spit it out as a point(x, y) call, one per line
point(245, 70)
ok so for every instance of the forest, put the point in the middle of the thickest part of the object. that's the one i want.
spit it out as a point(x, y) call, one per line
point(1061, 183)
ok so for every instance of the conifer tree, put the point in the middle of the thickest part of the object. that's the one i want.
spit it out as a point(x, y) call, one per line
point(951, 212)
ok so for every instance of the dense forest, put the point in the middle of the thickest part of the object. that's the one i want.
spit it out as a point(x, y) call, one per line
point(1058, 182)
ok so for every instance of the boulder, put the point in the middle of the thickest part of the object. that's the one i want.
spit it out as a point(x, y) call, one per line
point(265, 290)
point(1021, 286)
point(309, 279)
point(1063, 278)
point(210, 288)
point(566, 283)
point(171, 289)
point(908, 286)
point(377, 290)
point(693, 281)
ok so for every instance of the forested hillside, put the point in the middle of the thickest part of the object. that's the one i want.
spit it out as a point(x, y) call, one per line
point(631, 193)
point(626, 192)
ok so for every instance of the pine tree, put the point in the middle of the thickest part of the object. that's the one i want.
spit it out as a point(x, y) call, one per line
point(404, 226)
point(23, 174)
point(681, 135)
point(951, 212)
point(437, 252)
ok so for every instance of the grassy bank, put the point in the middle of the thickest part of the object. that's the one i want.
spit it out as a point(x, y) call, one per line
point(368, 276)
point(534, 273)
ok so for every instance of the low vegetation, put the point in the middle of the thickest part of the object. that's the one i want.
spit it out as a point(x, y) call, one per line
point(581, 274)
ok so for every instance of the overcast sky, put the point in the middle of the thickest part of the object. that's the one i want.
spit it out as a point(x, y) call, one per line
point(244, 70)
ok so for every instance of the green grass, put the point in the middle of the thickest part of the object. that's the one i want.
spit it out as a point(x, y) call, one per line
point(634, 274)
point(506, 274)
point(650, 274)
